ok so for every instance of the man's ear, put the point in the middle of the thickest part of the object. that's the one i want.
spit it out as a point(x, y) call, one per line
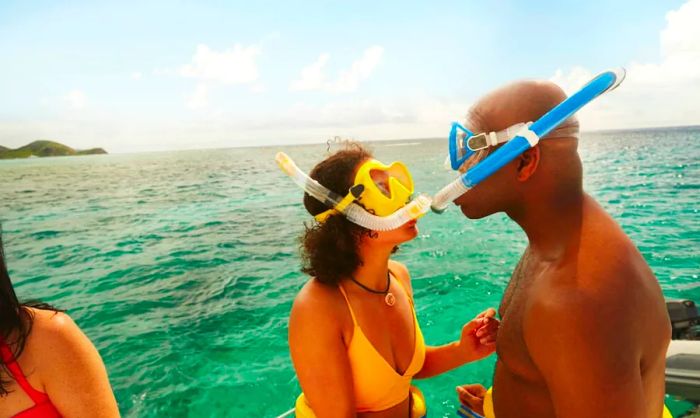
point(528, 162)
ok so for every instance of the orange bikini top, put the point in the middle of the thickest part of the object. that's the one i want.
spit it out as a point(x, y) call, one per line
point(377, 385)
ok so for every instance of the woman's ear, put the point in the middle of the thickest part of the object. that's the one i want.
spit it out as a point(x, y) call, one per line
point(528, 162)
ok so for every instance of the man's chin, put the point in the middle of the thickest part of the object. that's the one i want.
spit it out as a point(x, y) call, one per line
point(469, 212)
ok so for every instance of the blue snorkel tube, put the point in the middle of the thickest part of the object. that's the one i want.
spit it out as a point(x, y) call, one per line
point(527, 138)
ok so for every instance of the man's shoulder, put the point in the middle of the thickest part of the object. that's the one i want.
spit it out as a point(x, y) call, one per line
point(564, 303)
point(573, 319)
point(594, 296)
point(589, 290)
point(606, 258)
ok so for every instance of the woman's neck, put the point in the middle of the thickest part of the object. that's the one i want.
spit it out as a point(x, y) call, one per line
point(374, 268)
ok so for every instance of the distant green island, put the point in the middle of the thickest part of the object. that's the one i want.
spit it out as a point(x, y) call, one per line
point(45, 149)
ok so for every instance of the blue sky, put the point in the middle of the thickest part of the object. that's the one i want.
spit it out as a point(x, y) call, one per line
point(142, 76)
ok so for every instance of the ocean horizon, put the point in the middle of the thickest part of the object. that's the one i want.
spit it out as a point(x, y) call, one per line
point(339, 139)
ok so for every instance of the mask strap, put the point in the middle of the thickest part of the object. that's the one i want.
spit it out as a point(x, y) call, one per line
point(355, 192)
point(491, 139)
point(569, 129)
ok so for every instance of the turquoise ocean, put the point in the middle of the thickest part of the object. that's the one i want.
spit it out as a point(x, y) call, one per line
point(182, 266)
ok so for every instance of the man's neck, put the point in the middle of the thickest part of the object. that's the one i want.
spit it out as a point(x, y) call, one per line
point(552, 226)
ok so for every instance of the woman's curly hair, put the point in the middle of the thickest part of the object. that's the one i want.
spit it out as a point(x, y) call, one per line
point(329, 250)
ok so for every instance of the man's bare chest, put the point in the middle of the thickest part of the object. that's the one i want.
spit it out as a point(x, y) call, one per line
point(512, 349)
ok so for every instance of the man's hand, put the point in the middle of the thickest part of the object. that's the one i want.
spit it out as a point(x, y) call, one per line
point(472, 396)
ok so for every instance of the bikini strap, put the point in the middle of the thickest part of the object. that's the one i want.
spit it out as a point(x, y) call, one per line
point(347, 301)
point(16, 373)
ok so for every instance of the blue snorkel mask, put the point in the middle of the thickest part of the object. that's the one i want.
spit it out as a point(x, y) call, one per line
point(464, 143)
point(517, 138)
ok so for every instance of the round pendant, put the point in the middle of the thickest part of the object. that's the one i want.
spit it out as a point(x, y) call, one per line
point(389, 299)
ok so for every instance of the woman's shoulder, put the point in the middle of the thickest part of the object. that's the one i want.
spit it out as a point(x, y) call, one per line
point(60, 347)
point(54, 334)
point(51, 324)
point(399, 269)
point(53, 338)
point(68, 366)
point(317, 295)
point(321, 304)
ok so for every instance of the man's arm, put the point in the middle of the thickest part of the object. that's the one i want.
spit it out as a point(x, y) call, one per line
point(588, 358)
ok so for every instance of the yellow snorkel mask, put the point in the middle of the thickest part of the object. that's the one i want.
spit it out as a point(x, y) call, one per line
point(380, 198)
point(381, 189)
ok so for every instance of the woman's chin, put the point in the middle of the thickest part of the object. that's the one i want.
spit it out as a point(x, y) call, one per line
point(412, 229)
point(398, 236)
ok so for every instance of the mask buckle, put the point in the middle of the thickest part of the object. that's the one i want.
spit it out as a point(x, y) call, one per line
point(478, 142)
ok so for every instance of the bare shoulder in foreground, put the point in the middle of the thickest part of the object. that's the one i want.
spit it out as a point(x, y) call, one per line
point(70, 369)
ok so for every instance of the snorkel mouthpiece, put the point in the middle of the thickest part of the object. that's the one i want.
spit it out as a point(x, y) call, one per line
point(448, 194)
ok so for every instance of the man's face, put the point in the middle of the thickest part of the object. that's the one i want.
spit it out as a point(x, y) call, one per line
point(491, 195)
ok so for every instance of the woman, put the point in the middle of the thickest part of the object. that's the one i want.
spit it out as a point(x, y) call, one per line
point(49, 368)
point(353, 334)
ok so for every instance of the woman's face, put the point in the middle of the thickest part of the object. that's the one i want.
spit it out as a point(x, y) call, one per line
point(406, 232)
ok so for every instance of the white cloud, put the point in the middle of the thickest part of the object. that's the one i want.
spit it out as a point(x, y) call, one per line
point(235, 66)
point(136, 75)
point(360, 119)
point(258, 88)
point(200, 98)
point(360, 70)
point(159, 72)
point(663, 93)
point(76, 99)
point(313, 78)
point(215, 68)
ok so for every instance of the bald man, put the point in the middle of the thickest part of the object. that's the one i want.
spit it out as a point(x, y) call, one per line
point(584, 328)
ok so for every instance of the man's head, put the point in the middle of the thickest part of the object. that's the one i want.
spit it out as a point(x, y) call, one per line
point(540, 173)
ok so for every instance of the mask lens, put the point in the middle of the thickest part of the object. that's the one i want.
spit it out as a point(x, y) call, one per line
point(458, 139)
point(381, 180)
point(401, 174)
point(398, 171)
point(461, 144)
point(474, 159)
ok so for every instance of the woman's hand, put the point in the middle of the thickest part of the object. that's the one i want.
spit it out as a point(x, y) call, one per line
point(478, 338)
point(477, 341)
